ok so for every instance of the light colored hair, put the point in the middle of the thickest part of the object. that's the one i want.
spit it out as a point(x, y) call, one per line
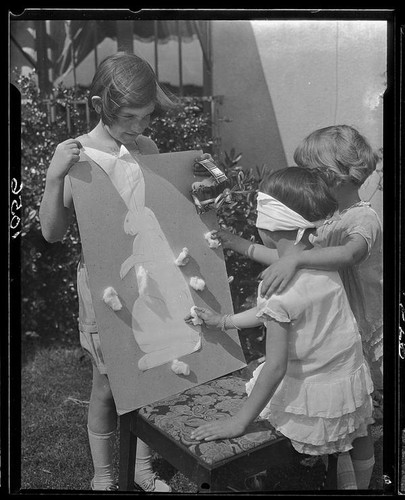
point(125, 79)
point(340, 152)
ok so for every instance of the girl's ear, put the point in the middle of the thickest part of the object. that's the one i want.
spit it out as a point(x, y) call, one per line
point(96, 102)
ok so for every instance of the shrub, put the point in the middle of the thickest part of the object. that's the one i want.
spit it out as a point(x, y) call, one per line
point(183, 128)
point(48, 283)
point(239, 217)
point(48, 271)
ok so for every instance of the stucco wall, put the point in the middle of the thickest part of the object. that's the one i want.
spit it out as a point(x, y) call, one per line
point(239, 76)
point(283, 79)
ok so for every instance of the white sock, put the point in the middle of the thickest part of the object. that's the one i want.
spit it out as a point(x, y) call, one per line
point(363, 470)
point(143, 462)
point(101, 447)
point(346, 478)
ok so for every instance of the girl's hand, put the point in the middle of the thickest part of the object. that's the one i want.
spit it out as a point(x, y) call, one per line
point(277, 276)
point(227, 239)
point(67, 153)
point(198, 169)
point(233, 242)
point(210, 318)
point(219, 429)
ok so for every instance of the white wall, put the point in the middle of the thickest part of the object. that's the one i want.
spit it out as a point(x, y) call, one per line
point(322, 73)
point(315, 74)
point(247, 120)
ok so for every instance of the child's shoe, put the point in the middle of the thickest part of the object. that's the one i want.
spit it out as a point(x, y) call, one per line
point(152, 483)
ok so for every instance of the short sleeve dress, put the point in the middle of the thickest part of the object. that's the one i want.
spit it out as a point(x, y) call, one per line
point(363, 282)
point(323, 403)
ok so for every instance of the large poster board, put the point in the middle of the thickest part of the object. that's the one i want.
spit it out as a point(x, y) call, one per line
point(107, 243)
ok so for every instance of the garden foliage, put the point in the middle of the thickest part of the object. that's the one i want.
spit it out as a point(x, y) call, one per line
point(48, 271)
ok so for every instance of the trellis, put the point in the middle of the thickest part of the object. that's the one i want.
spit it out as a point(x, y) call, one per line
point(213, 103)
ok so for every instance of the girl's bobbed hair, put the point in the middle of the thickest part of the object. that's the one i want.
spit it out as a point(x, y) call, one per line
point(341, 152)
point(125, 79)
point(302, 190)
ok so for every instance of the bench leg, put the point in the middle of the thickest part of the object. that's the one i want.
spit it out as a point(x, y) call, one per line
point(209, 482)
point(127, 452)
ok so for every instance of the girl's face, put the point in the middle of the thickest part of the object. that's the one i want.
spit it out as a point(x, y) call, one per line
point(130, 122)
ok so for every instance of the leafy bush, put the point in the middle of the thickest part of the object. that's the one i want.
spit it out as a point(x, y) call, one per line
point(239, 217)
point(48, 271)
point(48, 282)
point(183, 128)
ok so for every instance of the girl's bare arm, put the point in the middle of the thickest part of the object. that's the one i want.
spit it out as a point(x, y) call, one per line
point(254, 251)
point(55, 212)
point(266, 384)
point(277, 276)
point(56, 208)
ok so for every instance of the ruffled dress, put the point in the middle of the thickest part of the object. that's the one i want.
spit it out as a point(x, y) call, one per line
point(323, 403)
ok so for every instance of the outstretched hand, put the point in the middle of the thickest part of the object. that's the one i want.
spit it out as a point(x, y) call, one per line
point(277, 276)
point(210, 318)
point(219, 429)
point(228, 239)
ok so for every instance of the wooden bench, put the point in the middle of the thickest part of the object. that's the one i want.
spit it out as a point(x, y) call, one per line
point(215, 466)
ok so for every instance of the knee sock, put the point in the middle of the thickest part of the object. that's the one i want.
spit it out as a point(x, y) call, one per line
point(143, 462)
point(101, 447)
point(346, 478)
point(363, 470)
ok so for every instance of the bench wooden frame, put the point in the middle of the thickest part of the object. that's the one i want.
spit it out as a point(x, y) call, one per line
point(209, 477)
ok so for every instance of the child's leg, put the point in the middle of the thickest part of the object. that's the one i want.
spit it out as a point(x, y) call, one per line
point(346, 479)
point(144, 475)
point(102, 415)
point(101, 424)
point(340, 474)
point(363, 460)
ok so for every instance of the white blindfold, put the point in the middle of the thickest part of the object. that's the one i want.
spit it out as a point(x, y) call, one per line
point(275, 216)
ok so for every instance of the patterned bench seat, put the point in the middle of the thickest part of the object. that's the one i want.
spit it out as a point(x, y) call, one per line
point(167, 425)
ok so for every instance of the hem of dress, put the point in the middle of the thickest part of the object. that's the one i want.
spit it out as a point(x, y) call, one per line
point(302, 398)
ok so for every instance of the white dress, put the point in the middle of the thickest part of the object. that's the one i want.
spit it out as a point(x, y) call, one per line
point(323, 403)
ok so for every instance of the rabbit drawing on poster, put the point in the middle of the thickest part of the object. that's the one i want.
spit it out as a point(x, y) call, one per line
point(157, 324)
point(163, 297)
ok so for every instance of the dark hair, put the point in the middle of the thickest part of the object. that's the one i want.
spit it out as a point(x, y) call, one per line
point(341, 152)
point(125, 79)
point(302, 190)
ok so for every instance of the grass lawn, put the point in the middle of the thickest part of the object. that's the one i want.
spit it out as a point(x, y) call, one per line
point(55, 455)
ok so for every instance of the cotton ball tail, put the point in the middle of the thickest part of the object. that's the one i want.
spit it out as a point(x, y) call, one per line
point(212, 242)
point(195, 319)
point(183, 257)
point(197, 283)
point(180, 368)
point(110, 297)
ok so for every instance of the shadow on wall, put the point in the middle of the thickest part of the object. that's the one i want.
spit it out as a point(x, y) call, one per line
point(246, 121)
